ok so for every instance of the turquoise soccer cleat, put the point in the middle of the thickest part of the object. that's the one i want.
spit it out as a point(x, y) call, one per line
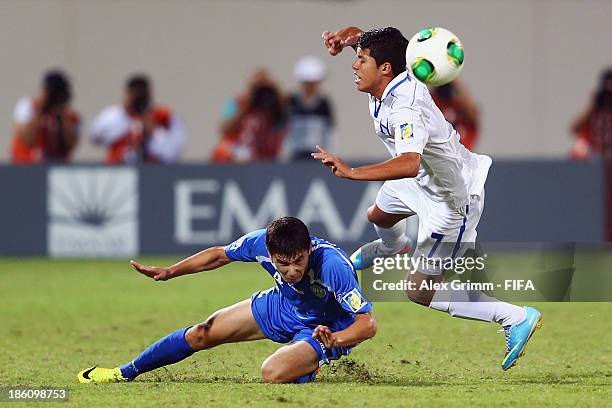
point(363, 258)
point(518, 335)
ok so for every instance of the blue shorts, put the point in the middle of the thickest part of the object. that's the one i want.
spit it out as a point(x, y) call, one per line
point(278, 321)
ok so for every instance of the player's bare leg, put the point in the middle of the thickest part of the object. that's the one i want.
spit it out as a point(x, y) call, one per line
point(229, 325)
point(290, 363)
point(391, 228)
point(418, 295)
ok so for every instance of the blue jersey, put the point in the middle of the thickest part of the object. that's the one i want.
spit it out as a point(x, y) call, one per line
point(328, 292)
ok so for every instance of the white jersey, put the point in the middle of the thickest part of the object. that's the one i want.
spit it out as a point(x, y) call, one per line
point(114, 124)
point(407, 120)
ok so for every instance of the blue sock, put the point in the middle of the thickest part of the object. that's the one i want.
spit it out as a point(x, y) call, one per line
point(306, 378)
point(169, 350)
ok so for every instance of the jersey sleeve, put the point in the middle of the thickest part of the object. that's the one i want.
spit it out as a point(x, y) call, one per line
point(109, 126)
point(167, 142)
point(342, 280)
point(409, 131)
point(245, 248)
point(23, 111)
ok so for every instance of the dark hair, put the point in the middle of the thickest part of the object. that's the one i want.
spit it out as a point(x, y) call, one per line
point(57, 86)
point(386, 45)
point(603, 97)
point(266, 99)
point(137, 82)
point(287, 236)
point(139, 85)
point(446, 92)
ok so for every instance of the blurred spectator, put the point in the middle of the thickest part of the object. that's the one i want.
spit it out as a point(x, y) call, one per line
point(46, 128)
point(138, 131)
point(593, 131)
point(593, 128)
point(254, 124)
point(458, 107)
point(311, 117)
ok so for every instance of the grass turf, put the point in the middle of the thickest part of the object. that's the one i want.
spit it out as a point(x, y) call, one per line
point(59, 317)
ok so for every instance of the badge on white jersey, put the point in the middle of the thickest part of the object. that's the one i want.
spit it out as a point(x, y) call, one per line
point(406, 130)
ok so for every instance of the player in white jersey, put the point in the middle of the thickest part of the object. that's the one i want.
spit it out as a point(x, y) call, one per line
point(430, 175)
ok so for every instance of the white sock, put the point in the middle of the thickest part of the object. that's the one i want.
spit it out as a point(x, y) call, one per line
point(473, 304)
point(394, 239)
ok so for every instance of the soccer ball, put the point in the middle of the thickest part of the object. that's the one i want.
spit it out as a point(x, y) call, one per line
point(434, 56)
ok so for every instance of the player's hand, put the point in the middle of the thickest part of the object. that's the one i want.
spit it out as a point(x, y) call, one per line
point(333, 162)
point(337, 40)
point(325, 336)
point(152, 271)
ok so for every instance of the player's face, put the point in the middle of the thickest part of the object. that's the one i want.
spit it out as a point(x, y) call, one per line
point(368, 76)
point(291, 269)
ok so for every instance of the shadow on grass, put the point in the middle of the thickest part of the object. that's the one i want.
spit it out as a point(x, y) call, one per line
point(349, 371)
point(585, 378)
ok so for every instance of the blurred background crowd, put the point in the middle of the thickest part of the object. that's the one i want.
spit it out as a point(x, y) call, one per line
point(263, 123)
point(265, 89)
point(206, 83)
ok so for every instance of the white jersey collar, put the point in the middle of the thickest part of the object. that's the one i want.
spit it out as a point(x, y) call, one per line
point(397, 81)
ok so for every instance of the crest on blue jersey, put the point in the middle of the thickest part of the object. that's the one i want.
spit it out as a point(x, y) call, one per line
point(316, 286)
point(318, 290)
point(406, 130)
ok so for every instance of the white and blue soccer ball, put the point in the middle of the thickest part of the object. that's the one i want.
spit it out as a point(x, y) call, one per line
point(434, 56)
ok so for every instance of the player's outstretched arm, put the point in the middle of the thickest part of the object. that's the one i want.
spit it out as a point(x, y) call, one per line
point(206, 260)
point(363, 328)
point(403, 166)
point(406, 165)
point(336, 41)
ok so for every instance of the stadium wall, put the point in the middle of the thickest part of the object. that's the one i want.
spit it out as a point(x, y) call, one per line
point(98, 211)
point(531, 65)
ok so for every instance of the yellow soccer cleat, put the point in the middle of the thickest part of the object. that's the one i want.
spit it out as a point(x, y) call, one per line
point(101, 375)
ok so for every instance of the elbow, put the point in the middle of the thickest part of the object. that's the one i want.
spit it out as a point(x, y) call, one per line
point(414, 166)
point(409, 172)
point(412, 172)
point(371, 328)
point(408, 165)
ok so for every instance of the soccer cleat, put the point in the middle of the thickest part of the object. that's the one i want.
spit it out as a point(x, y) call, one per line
point(363, 258)
point(518, 335)
point(101, 375)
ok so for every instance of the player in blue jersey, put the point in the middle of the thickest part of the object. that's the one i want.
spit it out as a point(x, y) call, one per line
point(316, 308)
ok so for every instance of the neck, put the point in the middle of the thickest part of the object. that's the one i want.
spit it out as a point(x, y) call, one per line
point(380, 89)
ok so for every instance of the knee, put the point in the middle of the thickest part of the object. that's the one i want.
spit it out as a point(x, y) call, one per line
point(198, 336)
point(420, 297)
point(377, 217)
point(374, 217)
point(272, 374)
point(371, 216)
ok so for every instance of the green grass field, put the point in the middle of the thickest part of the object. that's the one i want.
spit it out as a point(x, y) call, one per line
point(59, 317)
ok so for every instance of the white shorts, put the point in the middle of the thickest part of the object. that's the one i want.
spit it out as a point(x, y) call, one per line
point(443, 232)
